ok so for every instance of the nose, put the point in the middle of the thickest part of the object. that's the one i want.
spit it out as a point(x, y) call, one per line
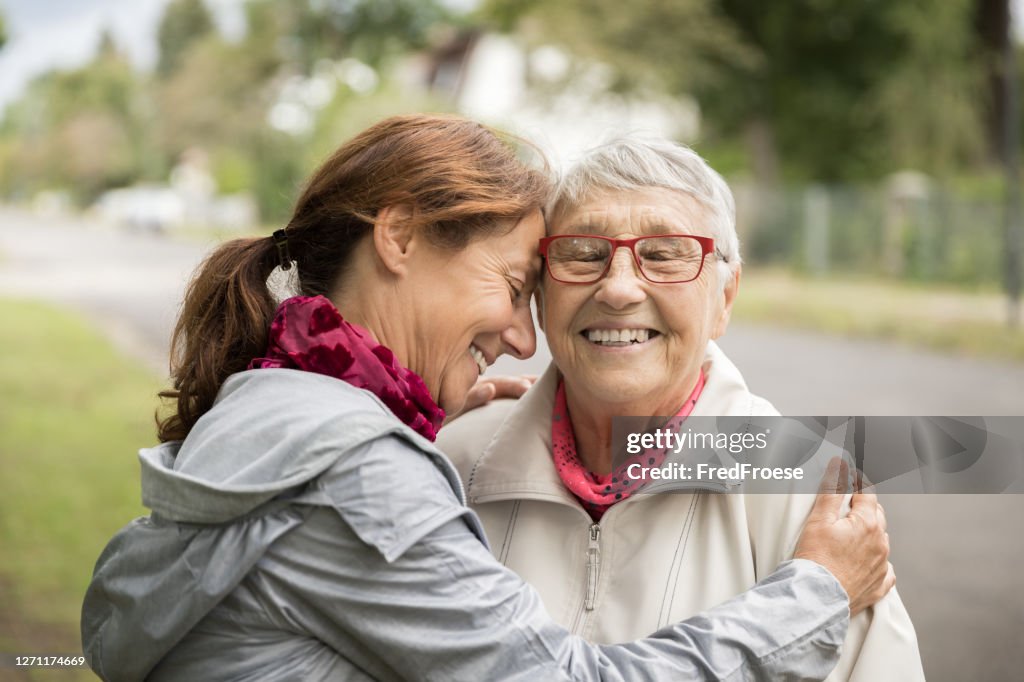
point(520, 338)
point(623, 285)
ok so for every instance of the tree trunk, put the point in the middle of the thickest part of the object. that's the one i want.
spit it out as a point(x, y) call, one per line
point(992, 27)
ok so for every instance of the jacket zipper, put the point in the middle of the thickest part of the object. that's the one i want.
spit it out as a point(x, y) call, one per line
point(593, 566)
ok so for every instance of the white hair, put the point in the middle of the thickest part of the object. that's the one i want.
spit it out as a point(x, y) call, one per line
point(635, 162)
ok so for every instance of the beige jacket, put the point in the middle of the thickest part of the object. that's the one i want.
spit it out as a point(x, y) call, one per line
point(653, 559)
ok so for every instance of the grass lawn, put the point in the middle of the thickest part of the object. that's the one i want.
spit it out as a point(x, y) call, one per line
point(946, 320)
point(73, 414)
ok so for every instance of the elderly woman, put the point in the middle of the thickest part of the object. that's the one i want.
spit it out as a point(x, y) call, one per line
point(642, 269)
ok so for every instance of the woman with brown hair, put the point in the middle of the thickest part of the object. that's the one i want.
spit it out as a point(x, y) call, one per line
point(303, 524)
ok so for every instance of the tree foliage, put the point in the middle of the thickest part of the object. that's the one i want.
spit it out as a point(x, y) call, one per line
point(83, 129)
point(821, 89)
point(103, 125)
point(370, 30)
point(185, 22)
point(806, 89)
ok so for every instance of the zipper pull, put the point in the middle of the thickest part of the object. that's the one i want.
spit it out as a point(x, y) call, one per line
point(593, 566)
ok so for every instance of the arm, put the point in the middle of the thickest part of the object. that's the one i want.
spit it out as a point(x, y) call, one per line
point(393, 565)
point(455, 613)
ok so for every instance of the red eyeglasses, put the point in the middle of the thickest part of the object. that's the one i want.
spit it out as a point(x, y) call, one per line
point(661, 258)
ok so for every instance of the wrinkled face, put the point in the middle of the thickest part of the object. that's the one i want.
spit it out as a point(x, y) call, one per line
point(472, 305)
point(623, 339)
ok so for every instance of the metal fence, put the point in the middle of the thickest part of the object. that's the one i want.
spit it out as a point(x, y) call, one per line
point(905, 229)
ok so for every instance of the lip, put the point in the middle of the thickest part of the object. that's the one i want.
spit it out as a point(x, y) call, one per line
point(653, 332)
point(627, 348)
point(609, 326)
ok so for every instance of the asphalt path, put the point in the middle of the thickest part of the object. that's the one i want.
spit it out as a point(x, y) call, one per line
point(959, 558)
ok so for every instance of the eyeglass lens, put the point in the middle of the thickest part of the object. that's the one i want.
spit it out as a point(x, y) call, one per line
point(662, 259)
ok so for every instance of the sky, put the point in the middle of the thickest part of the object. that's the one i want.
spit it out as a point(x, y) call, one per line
point(48, 34)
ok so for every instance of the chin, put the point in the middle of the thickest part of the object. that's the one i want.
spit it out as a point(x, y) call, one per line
point(450, 406)
point(619, 386)
point(452, 398)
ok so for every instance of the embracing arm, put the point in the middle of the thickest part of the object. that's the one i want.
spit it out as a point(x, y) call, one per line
point(455, 613)
point(391, 564)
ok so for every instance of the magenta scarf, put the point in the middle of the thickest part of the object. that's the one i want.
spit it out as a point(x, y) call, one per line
point(597, 492)
point(308, 333)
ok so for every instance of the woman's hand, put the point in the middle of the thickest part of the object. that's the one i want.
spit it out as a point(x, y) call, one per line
point(855, 547)
point(487, 389)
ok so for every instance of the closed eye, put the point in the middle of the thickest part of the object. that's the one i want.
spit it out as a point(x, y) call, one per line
point(516, 290)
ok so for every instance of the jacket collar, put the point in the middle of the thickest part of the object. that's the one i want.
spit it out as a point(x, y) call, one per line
point(517, 462)
point(725, 392)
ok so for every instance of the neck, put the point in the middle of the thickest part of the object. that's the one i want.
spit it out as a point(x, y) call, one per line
point(362, 305)
point(592, 420)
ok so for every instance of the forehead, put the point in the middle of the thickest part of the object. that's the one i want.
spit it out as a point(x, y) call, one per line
point(651, 210)
point(517, 247)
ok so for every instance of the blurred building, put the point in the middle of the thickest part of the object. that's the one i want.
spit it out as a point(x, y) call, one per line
point(542, 94)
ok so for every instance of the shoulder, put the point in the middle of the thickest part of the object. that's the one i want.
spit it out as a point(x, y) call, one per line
point(310, 413)
point(760, 407)
point(725, 390)
point(464, 439)
point(296, 392)
point(273, 429)
point(391, 493)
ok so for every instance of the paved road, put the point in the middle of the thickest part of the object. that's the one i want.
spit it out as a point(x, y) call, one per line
point(958, 558)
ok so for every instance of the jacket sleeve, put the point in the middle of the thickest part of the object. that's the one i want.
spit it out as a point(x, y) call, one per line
point(428, 601)
point(881, 643)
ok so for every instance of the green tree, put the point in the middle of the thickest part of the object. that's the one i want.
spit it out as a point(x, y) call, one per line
point(821, 89)
point(674, 46)
point(184, 23)
point(3, 32)
point(220, 95)
point(306, 31)
point(931, 102)
point(803, 108)
point(84, 130)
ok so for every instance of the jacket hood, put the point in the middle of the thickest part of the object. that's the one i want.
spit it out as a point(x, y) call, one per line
point(263, 437)
point(229, 490)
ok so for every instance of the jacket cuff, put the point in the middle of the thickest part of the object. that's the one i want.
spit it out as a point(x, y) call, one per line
point(830, 585)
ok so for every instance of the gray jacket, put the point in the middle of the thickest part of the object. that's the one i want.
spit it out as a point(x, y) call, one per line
point(301, 532)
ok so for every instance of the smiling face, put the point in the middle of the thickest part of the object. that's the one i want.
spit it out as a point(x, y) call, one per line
point(470, 306)
point(624, 342)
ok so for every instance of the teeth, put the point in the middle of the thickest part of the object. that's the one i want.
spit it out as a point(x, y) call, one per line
point(618, 337)
point(481, 361)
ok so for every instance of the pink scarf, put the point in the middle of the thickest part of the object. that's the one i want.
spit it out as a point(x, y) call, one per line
point(308, 333)
point(596, 492)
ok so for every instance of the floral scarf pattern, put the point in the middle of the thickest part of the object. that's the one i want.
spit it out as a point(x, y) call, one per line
point(597, 492)
point(308, 333)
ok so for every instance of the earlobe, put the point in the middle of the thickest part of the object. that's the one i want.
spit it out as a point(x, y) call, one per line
point(394, 236)
point(732, 287)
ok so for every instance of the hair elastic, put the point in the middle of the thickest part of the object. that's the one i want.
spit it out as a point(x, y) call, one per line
point(284, 255)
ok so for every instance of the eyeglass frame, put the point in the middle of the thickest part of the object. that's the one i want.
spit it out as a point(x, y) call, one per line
point(707, 245)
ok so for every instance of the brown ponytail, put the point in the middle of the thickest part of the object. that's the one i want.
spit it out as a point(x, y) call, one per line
point(223, 325)
point(464, 180)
